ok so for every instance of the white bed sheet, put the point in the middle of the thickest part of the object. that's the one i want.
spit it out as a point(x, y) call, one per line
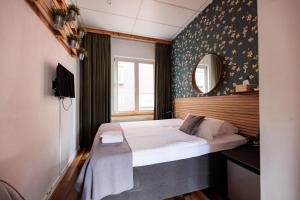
point(160, 141)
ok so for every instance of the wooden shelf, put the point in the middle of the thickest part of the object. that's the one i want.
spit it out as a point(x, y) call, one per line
point(247, 92)
point(43, 11)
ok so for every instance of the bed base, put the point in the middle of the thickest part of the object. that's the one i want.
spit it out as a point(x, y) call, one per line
point(165, 180)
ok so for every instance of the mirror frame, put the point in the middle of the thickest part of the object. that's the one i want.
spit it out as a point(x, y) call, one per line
point(194, 85)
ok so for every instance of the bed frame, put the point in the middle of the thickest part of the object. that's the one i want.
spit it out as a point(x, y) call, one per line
point(165, 180)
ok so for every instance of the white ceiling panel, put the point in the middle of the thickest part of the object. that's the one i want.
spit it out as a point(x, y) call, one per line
point(190, 4)
point(162, 19)
point(163, 13)
point(155, 30)
point(127, 8)
point(107, 21)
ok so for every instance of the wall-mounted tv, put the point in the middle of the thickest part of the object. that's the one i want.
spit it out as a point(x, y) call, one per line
point(63, 84)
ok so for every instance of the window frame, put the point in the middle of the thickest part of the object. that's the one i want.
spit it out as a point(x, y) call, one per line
point(136, 62)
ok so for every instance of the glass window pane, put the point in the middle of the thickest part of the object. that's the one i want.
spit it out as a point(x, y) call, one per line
point(126, 89)
point(146, 86)
point(201, 78)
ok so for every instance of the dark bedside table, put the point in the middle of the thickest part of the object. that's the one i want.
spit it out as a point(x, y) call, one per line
point(243, 180)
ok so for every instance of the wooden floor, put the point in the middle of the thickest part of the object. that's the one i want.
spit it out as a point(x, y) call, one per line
point(65, 189)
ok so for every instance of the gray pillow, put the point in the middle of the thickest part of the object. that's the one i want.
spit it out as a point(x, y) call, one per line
point(190, 123)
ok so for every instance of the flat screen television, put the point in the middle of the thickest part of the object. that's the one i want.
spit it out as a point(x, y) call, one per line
point(63, 84)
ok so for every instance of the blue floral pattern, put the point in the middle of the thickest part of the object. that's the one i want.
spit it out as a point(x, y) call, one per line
point(227, 28)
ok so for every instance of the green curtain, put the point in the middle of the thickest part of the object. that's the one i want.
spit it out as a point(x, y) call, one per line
point(95, 86)
point(163, 99)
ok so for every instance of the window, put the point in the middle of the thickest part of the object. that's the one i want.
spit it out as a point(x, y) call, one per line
point(146, 86)
point(202, 78)
point(133, 86)
point(126, 86)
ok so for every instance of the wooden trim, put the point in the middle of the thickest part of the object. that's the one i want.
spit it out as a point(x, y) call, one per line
point(127, 36)
point(131, 114)
point(240, 110)
point(37, 11)
point(45, 7)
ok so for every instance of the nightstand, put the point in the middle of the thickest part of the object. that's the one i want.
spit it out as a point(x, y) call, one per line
point(243, 173)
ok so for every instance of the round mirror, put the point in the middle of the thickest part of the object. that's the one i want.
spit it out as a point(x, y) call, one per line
point(207, 73)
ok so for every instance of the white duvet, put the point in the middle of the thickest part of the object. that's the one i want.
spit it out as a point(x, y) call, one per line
point(160, 141)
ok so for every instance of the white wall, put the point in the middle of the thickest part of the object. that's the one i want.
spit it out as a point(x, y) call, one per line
point(132, 49)
point(29, 113)
point(279, 47)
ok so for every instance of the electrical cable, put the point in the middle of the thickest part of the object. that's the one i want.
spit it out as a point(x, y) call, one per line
point(64, 107)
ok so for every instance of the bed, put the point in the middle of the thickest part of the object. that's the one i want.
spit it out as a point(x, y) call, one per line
point(167, 162)
point(148, 139)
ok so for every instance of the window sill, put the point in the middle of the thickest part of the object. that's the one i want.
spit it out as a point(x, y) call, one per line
point(132, 114)
point(131, 118)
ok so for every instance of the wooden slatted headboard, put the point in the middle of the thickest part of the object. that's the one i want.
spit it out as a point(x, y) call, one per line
point(240, 110)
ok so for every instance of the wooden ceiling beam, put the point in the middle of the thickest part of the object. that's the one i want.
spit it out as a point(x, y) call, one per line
point(127, 36)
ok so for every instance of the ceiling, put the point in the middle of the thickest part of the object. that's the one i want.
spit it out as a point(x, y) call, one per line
point(162, 19)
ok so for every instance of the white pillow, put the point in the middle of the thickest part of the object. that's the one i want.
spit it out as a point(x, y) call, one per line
point(210, 128)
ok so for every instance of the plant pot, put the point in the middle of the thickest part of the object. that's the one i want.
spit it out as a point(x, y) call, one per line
point(72, 15)
point(81, 34)
point(78, 44)
point(72, 44)
point(81, 56)
point(59, 22)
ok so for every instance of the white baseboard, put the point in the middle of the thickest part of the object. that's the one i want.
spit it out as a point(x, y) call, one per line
point(60, 176)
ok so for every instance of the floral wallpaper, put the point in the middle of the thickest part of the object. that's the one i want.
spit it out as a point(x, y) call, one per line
point(227, 28)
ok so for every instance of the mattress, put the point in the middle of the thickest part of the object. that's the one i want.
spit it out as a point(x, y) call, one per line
point(160, 141)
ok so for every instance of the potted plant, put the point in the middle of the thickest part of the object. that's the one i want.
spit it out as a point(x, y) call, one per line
point(82, 53)
point(73, 12)
point(72, 40)
point(81, 31)
point(59, 18)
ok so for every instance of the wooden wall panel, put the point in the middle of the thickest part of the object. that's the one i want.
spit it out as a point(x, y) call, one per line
point(240, 110)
